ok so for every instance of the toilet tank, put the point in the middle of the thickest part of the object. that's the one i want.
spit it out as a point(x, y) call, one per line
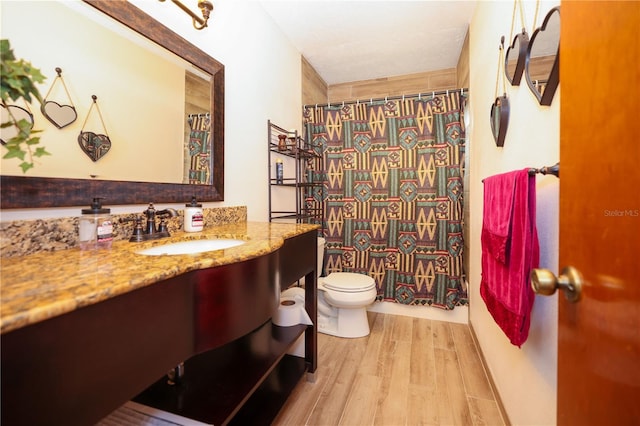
point(321, 243)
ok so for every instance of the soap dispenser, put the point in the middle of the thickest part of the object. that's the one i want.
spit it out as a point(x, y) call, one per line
point(193, 217)
point(95, 227)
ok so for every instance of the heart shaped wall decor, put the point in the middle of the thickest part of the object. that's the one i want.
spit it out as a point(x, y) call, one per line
point(515, 58)
point(60, 115)
point(500, 119)
point(543, 58)
point(94, 145)
point(10, 113)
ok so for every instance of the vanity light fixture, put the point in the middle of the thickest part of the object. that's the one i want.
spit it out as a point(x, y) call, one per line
point(205, 7)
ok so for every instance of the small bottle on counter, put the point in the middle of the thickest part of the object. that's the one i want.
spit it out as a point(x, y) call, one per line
point(193, 217)
point(279, 171)
point(95, 229)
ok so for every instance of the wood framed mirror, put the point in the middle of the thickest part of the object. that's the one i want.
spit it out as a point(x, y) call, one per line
point(44, 192)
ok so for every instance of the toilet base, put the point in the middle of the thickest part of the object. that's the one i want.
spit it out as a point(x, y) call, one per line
point(349, 323)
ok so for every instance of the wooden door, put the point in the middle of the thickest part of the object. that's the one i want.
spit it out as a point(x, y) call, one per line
point(599, 337)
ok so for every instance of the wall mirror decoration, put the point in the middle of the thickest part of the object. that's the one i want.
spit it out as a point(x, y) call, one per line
point(499, 116)
point(500, 119)
point(515, 58)
point(18, 113)
point(60, 115)
point(49, 191)
point(543, 58)
point(94, 145)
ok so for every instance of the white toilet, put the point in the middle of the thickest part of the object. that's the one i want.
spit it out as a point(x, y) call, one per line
point(343, 298)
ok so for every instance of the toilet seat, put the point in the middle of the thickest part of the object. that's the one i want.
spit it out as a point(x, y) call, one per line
point(348, 282)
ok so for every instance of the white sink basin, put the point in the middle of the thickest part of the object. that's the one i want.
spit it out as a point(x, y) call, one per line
point(191, 247)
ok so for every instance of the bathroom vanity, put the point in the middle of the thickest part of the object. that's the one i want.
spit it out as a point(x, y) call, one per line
point(84, 332)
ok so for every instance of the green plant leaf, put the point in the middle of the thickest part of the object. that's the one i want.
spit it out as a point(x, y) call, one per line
point(14, 152)
point(18, 81)
point(25, 166)
point(41, 151)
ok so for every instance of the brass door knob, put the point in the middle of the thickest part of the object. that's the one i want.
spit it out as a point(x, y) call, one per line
point(544, 282)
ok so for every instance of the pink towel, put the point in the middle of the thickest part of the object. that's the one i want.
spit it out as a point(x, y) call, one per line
point(510, 251)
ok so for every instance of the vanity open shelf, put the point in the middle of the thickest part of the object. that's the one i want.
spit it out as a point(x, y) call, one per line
point(247, 379)
point(243, 382)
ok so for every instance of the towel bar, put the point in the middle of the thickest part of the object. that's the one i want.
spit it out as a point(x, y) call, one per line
point(547, 170)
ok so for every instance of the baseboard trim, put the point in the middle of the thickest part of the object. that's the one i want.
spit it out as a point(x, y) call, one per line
point(458, 315)
point(494, 388)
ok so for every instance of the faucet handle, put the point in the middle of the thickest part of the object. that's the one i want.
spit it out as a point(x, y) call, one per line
point(162, 228)
point(136, 237)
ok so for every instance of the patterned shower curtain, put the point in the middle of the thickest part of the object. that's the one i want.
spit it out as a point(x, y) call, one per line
point(197, 155)
point(393, 195)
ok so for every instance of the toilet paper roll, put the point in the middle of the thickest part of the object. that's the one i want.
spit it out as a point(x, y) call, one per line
point(291, 312)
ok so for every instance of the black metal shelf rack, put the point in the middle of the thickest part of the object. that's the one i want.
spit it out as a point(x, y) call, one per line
point(306, 183)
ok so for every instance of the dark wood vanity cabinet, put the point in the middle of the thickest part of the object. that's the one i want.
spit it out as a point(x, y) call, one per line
point(78, 367)
point(247, 380)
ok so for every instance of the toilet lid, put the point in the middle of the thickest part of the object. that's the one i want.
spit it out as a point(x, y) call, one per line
point(348, 282)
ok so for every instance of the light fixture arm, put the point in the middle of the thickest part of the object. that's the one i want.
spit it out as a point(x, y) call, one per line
point(205, 7)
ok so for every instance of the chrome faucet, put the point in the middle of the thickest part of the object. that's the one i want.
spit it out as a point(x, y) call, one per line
point(151, 231)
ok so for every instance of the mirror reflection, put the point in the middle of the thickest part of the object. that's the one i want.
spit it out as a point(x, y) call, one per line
point(542, 67)
point(59, 115)
point(515, 58)
point(19, 191)
point(139, 85)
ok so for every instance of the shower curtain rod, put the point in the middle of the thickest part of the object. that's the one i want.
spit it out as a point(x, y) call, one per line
point(389, 98)
point(202, 114)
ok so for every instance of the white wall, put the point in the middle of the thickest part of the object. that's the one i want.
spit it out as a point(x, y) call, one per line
point(525, 377)
point(263, 81)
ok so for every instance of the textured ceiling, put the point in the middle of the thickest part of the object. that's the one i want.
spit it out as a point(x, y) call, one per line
point(359, 40)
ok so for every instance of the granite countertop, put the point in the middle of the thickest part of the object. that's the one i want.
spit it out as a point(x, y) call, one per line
point(40, 286)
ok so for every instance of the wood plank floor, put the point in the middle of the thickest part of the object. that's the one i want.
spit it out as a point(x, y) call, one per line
point(408, 371)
